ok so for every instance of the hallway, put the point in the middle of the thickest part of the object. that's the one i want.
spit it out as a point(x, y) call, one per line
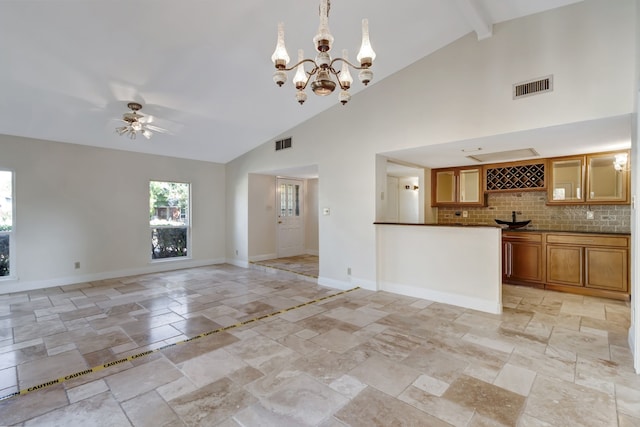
point(359, 358)
point(305, 265)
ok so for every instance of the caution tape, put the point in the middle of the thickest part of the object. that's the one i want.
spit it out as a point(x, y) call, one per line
point(148, 352)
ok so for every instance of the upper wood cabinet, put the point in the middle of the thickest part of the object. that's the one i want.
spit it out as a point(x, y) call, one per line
point(590, 179)
point(605, 182)
point(567, 180)
point(457, 186)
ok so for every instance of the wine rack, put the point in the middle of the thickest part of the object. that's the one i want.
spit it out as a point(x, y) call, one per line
point(515, 177)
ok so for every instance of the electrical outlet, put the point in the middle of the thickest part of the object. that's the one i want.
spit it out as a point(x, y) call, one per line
point(465, 214)
point(589, 214)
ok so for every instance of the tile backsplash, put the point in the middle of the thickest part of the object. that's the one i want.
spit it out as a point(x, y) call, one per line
point(531, 205)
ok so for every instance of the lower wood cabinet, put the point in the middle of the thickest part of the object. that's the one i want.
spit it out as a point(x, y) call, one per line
point(523, 258)
point(583, 263)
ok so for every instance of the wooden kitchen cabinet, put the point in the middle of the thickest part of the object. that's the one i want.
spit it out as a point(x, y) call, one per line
point(592, 179)
point(523, 258)
point(457, 187)
point(607, 268)
point(589, 264)
point(581, 263)
point(564, 265)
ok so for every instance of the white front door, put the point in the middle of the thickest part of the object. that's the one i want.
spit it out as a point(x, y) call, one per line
point(290, 217)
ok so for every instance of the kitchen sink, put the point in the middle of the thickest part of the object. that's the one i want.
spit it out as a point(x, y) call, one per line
point(513, 224)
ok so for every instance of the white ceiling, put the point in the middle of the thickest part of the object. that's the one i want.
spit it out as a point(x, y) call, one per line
point(613, 133)
point(201, 67)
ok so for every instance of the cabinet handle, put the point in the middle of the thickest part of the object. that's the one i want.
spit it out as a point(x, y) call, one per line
point(505, 260)
point(510, 259)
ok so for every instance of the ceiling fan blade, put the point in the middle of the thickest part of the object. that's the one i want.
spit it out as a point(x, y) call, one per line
point(156, 128)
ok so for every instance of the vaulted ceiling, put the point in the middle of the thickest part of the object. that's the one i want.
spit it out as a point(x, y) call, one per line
point(202, 68)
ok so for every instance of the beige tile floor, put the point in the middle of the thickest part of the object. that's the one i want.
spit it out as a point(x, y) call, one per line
point(304, 265)
point(359, 359)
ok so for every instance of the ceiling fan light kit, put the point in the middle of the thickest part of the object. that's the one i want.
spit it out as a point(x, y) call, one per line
point(136, 123)
point(323, 65)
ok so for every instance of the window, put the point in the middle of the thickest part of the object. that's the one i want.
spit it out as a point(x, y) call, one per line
point(169, 219)
point(289, 200)
point(6, 222)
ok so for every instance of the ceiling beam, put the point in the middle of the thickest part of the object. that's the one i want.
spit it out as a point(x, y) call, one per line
point(476, 17)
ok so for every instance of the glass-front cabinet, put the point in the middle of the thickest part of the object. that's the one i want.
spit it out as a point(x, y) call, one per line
point(601, 178)
point(608, 178)
point(457, 186)
point(567, 177)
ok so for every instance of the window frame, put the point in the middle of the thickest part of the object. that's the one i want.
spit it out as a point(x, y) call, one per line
point(12, 244)
point(187, 225)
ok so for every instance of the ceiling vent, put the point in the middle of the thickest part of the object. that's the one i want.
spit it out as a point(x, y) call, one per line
point(283, 143)
point(533, 87)
point(503, 156)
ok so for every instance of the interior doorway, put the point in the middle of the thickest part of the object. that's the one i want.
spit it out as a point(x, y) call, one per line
point(283, 220)
point(290, 221)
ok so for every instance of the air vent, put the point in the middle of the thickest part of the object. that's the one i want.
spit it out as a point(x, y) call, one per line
point(283, 143)
point(533, 87)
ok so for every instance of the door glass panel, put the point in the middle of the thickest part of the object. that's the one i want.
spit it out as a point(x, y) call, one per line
point(567, 180)
point(470, 185)
point(606, 183)
point(445, 187)
point(289, 200)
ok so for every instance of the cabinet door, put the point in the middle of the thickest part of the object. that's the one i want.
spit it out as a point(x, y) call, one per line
point(606, 268)
point(606, 182)
point(526, 262)
point(445, 186)
point(564, 265)
point(567, 177)
point(470, 186)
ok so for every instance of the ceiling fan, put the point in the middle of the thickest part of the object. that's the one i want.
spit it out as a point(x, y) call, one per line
point(137, 123)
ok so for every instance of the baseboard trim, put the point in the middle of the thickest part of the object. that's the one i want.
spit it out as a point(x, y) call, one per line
point(257, 258)
point(237, 262)
point(336, 284)
point(369, 285)
point(479, 304)
point(155, 267)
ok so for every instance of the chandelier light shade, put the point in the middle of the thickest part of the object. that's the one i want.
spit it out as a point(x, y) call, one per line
point(323, 74)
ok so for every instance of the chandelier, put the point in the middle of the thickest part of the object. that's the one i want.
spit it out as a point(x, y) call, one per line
point(136, 123)
point(323, 66)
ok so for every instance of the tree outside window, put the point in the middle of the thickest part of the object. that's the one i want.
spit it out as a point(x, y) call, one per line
point(169, 219)
point(6, 221)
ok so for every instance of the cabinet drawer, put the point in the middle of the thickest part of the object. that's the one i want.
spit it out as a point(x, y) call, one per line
point(522, 237)
point(588, 240)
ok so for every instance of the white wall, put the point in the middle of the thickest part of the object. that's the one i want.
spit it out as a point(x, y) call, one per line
point(79, 203)
point(409, 200)
point(454, 265)
point(262, 217)
point(391, 199)
point(311, 214)
point(462, 91)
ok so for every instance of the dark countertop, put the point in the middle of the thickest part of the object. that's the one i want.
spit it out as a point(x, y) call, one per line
point(517, 230)
point(438, 225)
point(525, 230)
